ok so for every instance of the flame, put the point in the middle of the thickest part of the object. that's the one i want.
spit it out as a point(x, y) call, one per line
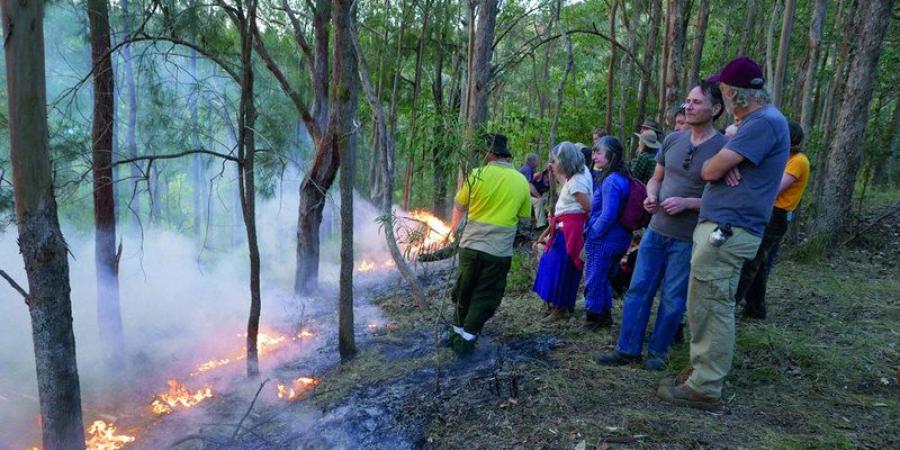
point(102, 436)
point(305, 334)
point(265, 343)
point(298, 386)
point(436, 234)
point(178, 396)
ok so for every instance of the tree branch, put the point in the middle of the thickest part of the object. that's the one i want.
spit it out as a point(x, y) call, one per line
point(177, 155)
point(14, 285)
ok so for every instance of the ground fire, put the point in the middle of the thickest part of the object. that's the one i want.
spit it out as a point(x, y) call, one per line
point(179, 396)
point(103, 436)
point(296, 388)
point(417, 233)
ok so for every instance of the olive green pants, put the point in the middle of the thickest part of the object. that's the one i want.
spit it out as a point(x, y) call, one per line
point(479, 288)
point(715, 272)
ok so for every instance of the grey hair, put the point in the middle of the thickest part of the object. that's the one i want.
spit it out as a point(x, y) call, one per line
point(743, 96)
point(570, 160)
point(531, 157)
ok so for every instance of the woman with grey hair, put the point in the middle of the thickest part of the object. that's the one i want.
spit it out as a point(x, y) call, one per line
point(560, 267)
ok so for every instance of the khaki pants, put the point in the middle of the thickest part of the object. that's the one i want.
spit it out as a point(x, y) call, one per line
point(540, 212)
point(715, 272)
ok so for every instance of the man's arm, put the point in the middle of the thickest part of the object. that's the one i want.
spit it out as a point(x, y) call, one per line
point(717, 167)
point(786, 181)
point(653, 186)
point(458, 212)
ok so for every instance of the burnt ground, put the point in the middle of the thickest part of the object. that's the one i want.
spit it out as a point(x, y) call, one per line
point(821, 372)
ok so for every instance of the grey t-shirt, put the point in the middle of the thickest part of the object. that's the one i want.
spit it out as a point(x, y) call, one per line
point(764, 141)
point(681, 182)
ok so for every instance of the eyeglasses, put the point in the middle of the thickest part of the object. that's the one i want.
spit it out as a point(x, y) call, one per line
point(686, 164)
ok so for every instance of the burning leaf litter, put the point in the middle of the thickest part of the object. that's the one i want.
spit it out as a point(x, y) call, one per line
point(297, 387)
point(427, 234)
point(179, 396)
point(103, 436)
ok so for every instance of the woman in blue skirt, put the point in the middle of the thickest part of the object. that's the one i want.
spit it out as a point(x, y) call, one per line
point(559, 270)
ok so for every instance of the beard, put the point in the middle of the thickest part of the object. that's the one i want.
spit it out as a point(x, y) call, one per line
point(729, 104)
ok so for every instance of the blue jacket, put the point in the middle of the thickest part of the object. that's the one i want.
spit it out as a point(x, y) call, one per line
point(606, 209)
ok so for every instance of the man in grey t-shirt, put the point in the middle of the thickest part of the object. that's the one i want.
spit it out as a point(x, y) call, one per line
point(743, 181)
point(664, 257)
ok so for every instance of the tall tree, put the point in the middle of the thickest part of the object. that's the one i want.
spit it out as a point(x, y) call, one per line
point(344, 99)
point(675, 59)
point(417, 90)
point(611, 69)
point(131, 122)
point(816, 28)
point(783, 48)
point(570, 63)
point(752, 10)
point(109, 316)
point(770, 40)
point(699, 41)
point(845, 151)
point(649, 55)
point(40, 240)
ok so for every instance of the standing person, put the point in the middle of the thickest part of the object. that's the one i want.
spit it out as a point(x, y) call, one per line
point(559, 270)
point(528, 170)
point(495, 197)
point(599, 133)
point(737, 202)
point(606, 240)
point(755, 274)
point(644, 163)
point(664, 256)
point(681, 122)
point(650, 124)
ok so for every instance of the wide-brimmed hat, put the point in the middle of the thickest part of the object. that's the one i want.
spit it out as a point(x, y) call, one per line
point(651, 124)
point(496, 144)
point(648, 137)
point(740, 72)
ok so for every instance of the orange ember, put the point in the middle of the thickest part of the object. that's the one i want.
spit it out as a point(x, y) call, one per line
point(299, 386)
point(178, 396)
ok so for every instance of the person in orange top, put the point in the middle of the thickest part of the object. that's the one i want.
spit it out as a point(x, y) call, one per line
point(755, 273)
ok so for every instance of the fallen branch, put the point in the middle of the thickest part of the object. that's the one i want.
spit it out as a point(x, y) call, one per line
point(891, 210)
point(240, 423)
point(15, 285)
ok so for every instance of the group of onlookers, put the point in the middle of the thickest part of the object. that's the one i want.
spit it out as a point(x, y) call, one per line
point(719, 206)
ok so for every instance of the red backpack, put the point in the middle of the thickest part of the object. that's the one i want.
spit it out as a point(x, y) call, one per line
point(634, 216)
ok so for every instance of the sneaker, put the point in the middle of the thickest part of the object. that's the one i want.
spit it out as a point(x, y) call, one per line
point(654, 363)
point(615, 358)
point(682, 395)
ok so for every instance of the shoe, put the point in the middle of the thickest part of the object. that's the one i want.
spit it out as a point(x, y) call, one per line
point(654, 363)
point(615, 358)
point(596, 322)
point(682, 395)
point(753, 314)
point(555, 315)
point(462, 347)
point(681, 378)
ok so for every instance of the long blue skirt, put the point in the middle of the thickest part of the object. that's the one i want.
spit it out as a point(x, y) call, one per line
point(557, 277)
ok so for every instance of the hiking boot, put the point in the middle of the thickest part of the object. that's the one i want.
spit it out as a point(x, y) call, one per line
point(654, 363)
point(614, 358)
point(596, 322)
point(682, 395)
point(681, 378)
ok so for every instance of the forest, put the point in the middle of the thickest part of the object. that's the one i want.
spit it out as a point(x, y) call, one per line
point(215, 217)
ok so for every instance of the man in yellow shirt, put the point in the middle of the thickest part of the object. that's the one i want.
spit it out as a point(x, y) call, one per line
point(496, 198)
point(755, 273)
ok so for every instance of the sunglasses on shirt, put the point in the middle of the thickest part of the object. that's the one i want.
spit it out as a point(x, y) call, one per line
point(686, 164)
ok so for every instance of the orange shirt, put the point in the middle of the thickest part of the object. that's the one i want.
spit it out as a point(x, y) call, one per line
point(797, 167)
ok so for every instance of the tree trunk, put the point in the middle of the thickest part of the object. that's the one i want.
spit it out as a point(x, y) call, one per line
point(816, 28)
point(845, 152)
point(246, 156)
point(417, 89)
point(783, 49)
point(743, 48)
point(649, 55)
point(481, 65)
point(40, 240)
point(438, 167)
point(611, 70)
point(570, 63)
point(697, 47)
point(109, 316)
point(131, 133)
point(198, 165)
point(770, 40)
point(343, 115)
point(675, 45)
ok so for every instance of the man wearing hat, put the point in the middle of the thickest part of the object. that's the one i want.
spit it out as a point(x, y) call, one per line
point(743, 180)
point(643, 165)
point(496, 198)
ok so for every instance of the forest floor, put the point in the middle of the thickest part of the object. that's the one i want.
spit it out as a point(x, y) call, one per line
point(821, 372)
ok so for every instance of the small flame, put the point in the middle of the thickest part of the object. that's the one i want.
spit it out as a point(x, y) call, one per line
point(102, 436)
point(305, 334)
point(178, 396)
point(265, 343)
point(299, 386)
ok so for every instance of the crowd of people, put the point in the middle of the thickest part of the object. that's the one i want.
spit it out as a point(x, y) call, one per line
point(695, 218)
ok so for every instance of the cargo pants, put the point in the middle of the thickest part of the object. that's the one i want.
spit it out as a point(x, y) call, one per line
point(715, 273)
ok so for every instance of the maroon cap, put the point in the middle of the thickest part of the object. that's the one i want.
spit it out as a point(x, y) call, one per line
point(741, 72)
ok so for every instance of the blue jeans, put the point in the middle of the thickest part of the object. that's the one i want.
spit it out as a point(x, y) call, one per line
point(663, 260)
